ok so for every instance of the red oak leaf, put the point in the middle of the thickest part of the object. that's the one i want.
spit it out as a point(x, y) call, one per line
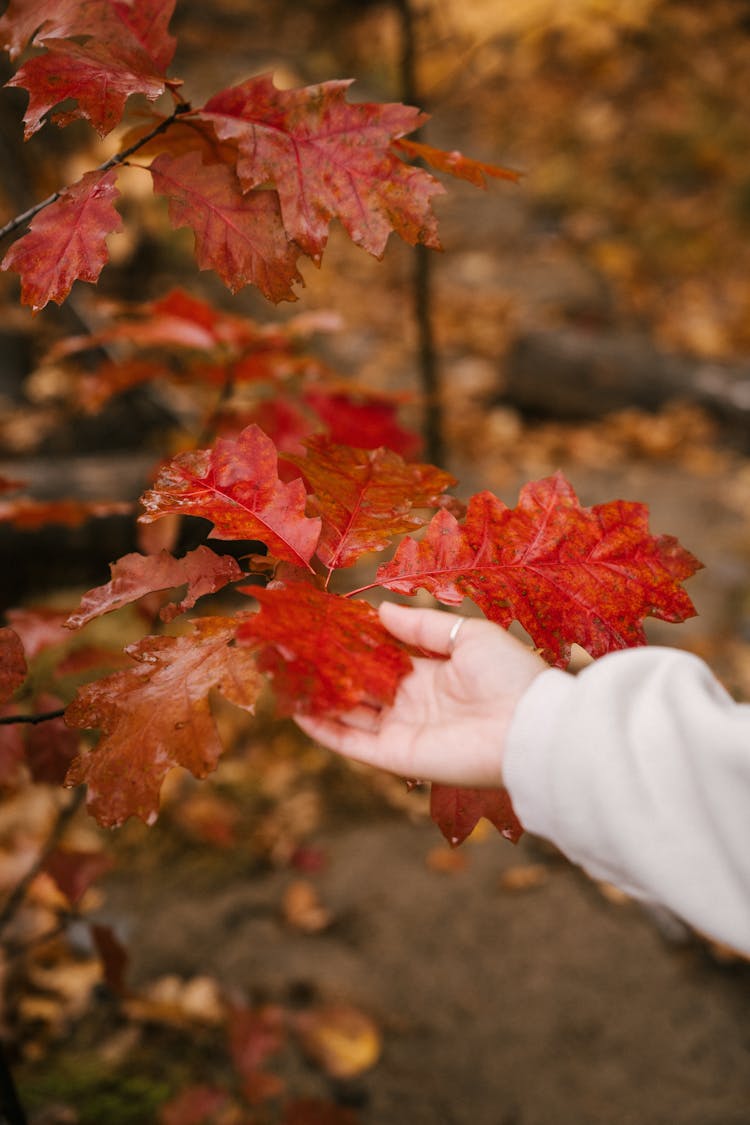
point(66, 242)
point(75, 871)
point(12, 749)
point(325, 654)
point(130, 24)
point(568, 574)
point(39, 628)
point(12, 663)
point(50, 746)
point(328, 159)
point(457, 811)
point(239, 236)
point(135, 575)
point(99, 78)
point(156, 716)
point(366, 421)
point(236, 486)
point(455, 163)
point(29, 515)
point(365, 497)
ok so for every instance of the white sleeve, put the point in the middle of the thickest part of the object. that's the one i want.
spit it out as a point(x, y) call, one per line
point(638, 769)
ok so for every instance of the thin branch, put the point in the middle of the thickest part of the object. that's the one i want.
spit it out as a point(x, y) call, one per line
point(118, 158)
point(17, 895)
point(42, 717)
point(11, 1110)
point(433, 422)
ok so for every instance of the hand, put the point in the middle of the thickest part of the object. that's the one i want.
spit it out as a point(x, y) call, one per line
point(449, 719)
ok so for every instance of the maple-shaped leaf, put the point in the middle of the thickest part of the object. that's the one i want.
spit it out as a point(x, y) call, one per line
point(568, 574)
point(12, 663)
point(66, 242)
point(29, 515)
point(365, 497)
point(236, 486)
point(156, 715)
point(328, 159)
point(239, 236)
point(135, 575)
point(457, 812)
point(365, 420)
point(99, 78)
point(455, 163)
point(326, 654)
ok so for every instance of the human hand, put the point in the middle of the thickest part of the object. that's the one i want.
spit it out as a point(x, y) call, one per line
point(450, 718)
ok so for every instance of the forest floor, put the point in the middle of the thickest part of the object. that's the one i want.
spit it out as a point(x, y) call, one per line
point(496, 985)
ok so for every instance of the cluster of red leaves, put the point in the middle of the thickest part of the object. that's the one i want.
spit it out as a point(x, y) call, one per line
point(257, 173)
point(568, 574)
point(236, 372)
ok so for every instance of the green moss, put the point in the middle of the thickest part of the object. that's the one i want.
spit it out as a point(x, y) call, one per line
point(97, 1093)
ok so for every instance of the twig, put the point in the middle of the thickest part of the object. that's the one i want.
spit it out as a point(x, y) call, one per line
point(42, 717)
point(11, 1110)
point(17, 895)
point(433, 422)
point(118, 158)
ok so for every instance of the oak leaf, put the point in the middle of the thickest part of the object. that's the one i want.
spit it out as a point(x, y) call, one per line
point(50, 746)
point(157, 715)
point(455, 163)
point(328, 159)
point(236, 486)
point(457, 812)
point(239, 236)
point(568, 574)
point(134, 575)
point(325, 654)
point(67, 241)
point(365, 497)
point(98, 78)
point(362, 419)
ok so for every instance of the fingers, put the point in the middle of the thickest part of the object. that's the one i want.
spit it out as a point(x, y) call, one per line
point(430, 629)
point(359, 744)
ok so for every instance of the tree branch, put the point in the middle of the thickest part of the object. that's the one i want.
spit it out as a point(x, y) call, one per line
point(118, 158)
point(42, 717)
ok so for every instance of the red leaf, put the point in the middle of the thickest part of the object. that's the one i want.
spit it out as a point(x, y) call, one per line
point(66, 241)
point(325, 653)
point(75, 871)
point(39, 628)
point(568, 574)
point(328, 159)
point(99, 78)
point(236, 486)
point(364, 497)
point(12, 663)
point(254, 1036)
point(93, 389)
point(50, 746)
point(30, 515)
point(156, 716)
point(239, 236)
point(134, 575)
point(457, 811)
point(455, 163)
point(314, 1111)
point(366, 422)
point(114, 958)
point(12, 750)
point(131, 24)
point(196, 1105)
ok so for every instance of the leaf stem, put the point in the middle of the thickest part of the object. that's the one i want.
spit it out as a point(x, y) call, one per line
point(118, 158)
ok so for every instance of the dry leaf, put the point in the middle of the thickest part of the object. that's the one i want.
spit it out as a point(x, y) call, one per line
point(340, 1039)
point(302, 908)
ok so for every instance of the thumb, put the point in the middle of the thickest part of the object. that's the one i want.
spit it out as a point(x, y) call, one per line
point(429, 629)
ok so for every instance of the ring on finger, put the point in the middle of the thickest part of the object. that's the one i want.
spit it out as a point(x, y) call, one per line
point(452, 636)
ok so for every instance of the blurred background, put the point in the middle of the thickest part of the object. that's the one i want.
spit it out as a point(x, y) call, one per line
point(593, 318)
